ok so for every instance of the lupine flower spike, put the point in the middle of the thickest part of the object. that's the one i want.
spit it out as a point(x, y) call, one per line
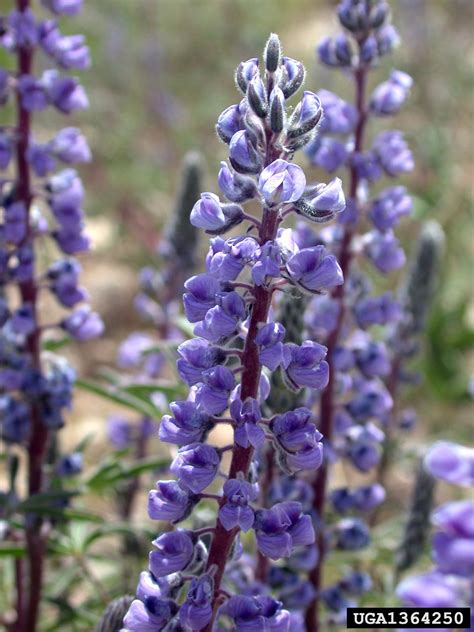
point(193, 573)
point(42, 200)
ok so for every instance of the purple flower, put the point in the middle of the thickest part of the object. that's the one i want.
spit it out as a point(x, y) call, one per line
point(174, 551)
point(456, 518)
point(41, 160)
point(15, 222)
point(70, 146)
point(119, 431)
point(24, 28)
point(23, 320)
point(306, 367)
point(454, 555)
point(393, 153)
point(371, 400)
point(372, 358)
point(196, 466)
point(356, 583)
point(169, 502)
point(377, 310)
point(299, 439)
point(368, 497)
point(83, 324)
point(257, 613)
point(246, 71)
point(282, 528)
point(63, 7)
point(451, 462)
point(342, 499)
point(16, 420)
point(314, 270)
point(329, 154)
point(229, 123)
point(390, 95)
point(140, 619)
point(187, 425)
point(385, 252)
point(306, 115)
point(322, 314)
point(272, 352)
point(197, 355)
point(64, 277)
point(6, 151)
point(32, 93)
point(65, 93)
point(235, 187)
point(246, 415)
point(222, 320)
point(389, 207)
point(367, 165)
point(363, 449)
point(227, 258)
point(200, 297)
point(351, 534)
point(281, 182)
point(213, 393)
point(70, 464)
point(431, 590)
point(328, 197)
point(339, 117)
point(235, 512)
point(196, 611)
point(293, 76)
point(267, 261)
point(242, 154)
point(208, 213)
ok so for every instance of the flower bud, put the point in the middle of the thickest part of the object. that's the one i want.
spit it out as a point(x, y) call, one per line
point(277, 110)
point(245, 73)
point(387, 39)
point(389, 96)
point(343, 50)
point(228, 123)
point(243, 155)
point(272, 53)
point(378, 15)
point(292, 77)
point(369, 50)
point(347, 17)
point(257, 97)
point(306, 116)
point(326, 52)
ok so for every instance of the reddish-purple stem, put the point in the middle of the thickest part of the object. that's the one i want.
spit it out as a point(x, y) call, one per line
point(223, 540)
point(327, 406)
point(35, 539)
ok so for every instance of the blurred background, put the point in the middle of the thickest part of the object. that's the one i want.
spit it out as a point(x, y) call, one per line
point(162, 73)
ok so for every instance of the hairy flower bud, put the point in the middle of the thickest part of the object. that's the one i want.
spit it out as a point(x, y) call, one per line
point(277, 111)
point(245, 73)
point(272, 53)
point(257, 97)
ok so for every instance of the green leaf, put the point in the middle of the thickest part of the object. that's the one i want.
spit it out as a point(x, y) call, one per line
point(12, 549)
point(55, 344)
point(45, 501)
point(120, 397)
point(112, 472)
